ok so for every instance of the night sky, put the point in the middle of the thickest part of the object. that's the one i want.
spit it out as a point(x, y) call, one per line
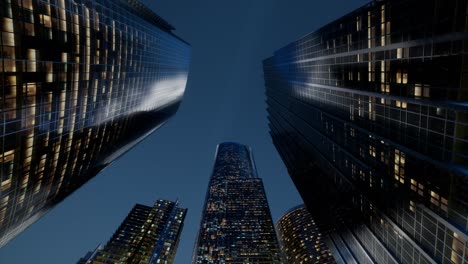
point(224, 101)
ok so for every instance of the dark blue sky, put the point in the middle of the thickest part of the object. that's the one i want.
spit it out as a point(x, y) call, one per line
point(224, 101)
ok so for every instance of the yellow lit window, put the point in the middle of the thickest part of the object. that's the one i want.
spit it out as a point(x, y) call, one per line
point(31, 60)
point(417, 89)
point(46, 20)
point(64, 57)
point(27, 4)
point(426, 92)
point(6, 184)
point(435, 198)
point(414, 184)
point(399, 166)
point(49, 74)
point(405, 78)
point(443, 204)
point(399, 53)
point(412, 207)
point(372, 151)
point(8, 25)
point(457, 248)
point(8, 39)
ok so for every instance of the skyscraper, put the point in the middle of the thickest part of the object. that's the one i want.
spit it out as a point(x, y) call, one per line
point(300, 239)
point(147, 235)
point(236, 224)
point(370, 114)
point(82, 82)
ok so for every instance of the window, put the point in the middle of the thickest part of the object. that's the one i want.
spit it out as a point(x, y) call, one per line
point(358, 23)
point(401, 77)
point(399, 166)
point(426, 92)
point(46, 20)
point(405, 78)
point(421, 90)
point(8, 39)
point(27, 4)
point(8, 24)
point(31, 60)
point(372, 151)
point(399, 53)
point(417, 90)
point(412, 207)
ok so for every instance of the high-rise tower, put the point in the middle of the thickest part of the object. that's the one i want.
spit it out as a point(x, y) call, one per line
point(370, 115)
point(236, 224)
point(300, 239)
point(82, 82)
point(147, 235)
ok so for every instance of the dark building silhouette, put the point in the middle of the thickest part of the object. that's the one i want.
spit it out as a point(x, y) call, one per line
point(147, 235)
point(300, 239)
point(236, 224)
point(370, 115)
point(82, 82)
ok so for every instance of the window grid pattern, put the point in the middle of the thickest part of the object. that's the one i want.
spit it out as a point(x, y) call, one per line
point(236, 225)
point(110, 79)
point(147, 235)
point(376, 100)
point(300, 239)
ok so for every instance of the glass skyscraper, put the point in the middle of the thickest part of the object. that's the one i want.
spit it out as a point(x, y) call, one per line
point(147, 235)
point(300, 239)
point(236, 224)
point(82, 82)
point(370, 115)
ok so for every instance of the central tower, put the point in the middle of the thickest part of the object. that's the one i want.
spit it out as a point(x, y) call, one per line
point(236, 225)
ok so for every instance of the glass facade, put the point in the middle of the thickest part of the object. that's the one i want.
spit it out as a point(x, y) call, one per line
point(148, 235)
point(370, 115)
point(82, 82)
point(236, 225)
point(300, 239)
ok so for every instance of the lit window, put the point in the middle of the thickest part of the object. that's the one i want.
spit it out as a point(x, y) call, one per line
point(399, 166)
point(372, 151)
point(417, 89)
point(27, 4)
point(8, 39)
point(46, 20)
point(399, 53)
point(358, 23)
point(31, 60)
point(457, 248)
point(426, 92)
point(412, 207)
point(64, 57)
point(405, 78)
point(8, 24)
point(49, 74)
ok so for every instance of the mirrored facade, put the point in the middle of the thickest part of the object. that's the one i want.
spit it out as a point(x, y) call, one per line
point(236, 224)
point(82, 82)
point(370, 115)
point(300, 239)
point(147, 235)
